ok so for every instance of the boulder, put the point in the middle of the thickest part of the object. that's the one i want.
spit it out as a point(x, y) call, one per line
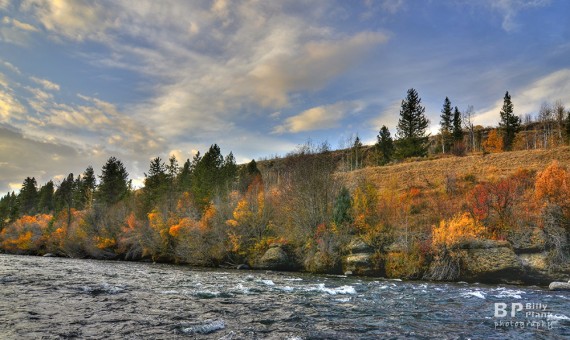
point(358, 246)
point(49, 255)
point(361, 259)
point(559, 286)
point(528, 240)
point(275, 258)
point(360, 264)
point(490, 261)
point(243, 266)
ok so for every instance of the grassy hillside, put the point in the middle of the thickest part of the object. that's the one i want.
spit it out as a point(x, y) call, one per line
point(433, 174)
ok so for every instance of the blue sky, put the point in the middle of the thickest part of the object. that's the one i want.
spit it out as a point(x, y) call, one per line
point(81, 81)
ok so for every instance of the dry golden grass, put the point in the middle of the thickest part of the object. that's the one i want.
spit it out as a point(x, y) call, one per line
point(433, 174)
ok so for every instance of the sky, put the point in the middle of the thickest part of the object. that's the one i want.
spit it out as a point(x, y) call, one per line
point(81, 81)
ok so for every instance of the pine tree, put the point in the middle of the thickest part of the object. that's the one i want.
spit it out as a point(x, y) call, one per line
point(45, 198)
point(185, 176)
point(89, 184)
point(412, 126)
point(114, 185)
point(155, 183)
point(457, 128)
point(206, 176)
point(247, 175)
point(509, 122)
point(384, 146)
point(28, 197)
point(446, 125)
point(342, 207)
point(357, 150)
point(229, 170)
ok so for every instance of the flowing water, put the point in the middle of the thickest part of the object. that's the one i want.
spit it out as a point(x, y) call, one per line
point(57, 298)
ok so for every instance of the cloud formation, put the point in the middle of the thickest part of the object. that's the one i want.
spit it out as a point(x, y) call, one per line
point(317, 118)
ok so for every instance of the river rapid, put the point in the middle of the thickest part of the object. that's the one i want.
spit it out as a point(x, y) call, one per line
point(59, 298)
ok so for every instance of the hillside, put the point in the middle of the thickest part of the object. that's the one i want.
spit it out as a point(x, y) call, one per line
point(433, 173)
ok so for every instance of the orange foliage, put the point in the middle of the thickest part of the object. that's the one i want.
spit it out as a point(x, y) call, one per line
point(553, 186)
point(460, 228)
point(27, 233)
point(494, 142)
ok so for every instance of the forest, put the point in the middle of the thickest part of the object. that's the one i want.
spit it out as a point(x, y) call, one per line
point(313, 202)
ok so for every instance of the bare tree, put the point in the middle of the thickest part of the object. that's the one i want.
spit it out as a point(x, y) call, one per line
point(468, 115)
point(545, 118)
point(559, 111)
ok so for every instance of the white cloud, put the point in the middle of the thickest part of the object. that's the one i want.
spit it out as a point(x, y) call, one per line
point(210, 63)
point(48, 85)
point(527, 100)
point(10, 66)
point(73, 19)
point(317, 118)
point(19, 25)
point(10, 107)
point(509, 9)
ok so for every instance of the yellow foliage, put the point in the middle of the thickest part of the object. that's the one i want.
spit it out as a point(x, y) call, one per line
point(494, 142)
point(459, 228)
point(104, 242)
point(553, 185)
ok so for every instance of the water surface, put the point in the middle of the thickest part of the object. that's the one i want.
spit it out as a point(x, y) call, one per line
point(57, 298)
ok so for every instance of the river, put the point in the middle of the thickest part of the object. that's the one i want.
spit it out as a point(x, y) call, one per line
point(59, 298)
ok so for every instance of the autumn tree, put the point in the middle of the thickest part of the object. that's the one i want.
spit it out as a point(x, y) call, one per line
point(446, 125)
point(509, 123)
point(384, 146)
point(411, 128)
point(494, 142)
point(552, 186)
point(115, 184)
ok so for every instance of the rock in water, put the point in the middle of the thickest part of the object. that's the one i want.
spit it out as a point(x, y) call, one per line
point(559, 286)
point(49, 255)
point(490, 262)
point(243, 266)
point(275, 259)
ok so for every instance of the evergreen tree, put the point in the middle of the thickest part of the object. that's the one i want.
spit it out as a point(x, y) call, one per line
point(342, 207)
point(114, 184)
point(247, 175)
point(457, 126)
point(206, 176)
point(412, 126)
point(172, 170)
point(446, 124)
point(64, 196)
point(357, 150)
point(46, 199)
point(229, 170)
point(8, 209)
point(89, 184)
point(509, 122)
point(185, 176)
point(384, 146)
point(28, 197)
point(155, 183)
